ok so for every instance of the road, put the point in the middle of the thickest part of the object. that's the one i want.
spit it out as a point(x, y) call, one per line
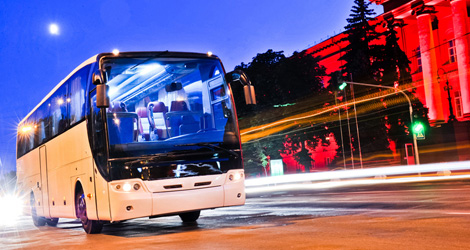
point(432, 215)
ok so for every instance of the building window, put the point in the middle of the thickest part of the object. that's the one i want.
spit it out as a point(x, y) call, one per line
point(452, 52)
point(418, 60)
point(458, 104)
point(420, 67)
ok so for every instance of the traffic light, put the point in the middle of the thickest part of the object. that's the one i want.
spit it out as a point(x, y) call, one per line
point(336, 80)
point(418, 128)
point(342, 86)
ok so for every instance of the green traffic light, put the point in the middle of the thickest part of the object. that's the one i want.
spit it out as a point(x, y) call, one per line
point(342, 86)
point(418, 128)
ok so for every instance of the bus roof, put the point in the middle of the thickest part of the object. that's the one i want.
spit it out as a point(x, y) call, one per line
point(97, 57)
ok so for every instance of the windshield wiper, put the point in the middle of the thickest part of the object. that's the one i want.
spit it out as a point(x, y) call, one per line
point(210, 145)
point(143, 157)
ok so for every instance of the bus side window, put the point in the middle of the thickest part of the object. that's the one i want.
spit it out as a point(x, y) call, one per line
point(77, 88)
point(59, 116)
point(28, 135)
point(25, 138)
point(42, 133)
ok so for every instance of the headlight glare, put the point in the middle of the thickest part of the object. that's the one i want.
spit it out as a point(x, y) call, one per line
point(126, 187)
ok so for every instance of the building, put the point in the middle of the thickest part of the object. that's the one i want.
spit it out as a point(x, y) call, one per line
point(434, 34)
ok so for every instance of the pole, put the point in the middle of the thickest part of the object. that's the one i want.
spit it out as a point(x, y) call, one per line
point(448, 88)
point(339, 109)
point(415, 142)
point(449, 99)
point(349, 131)
point(340, 129)
point(357, 126)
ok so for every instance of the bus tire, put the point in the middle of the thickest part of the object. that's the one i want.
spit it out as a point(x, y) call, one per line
point(38, 221)
point(52, 222)
point(90, 226)
point(190, 216)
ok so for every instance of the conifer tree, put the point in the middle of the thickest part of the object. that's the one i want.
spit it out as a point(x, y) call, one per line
point(393, 67)
point(392, 64)
point(360, 32)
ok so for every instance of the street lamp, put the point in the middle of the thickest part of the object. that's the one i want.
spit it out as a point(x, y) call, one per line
point(448, 88)
point(415, 142)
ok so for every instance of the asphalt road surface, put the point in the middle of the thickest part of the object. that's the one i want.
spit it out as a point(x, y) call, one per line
point(432, 215)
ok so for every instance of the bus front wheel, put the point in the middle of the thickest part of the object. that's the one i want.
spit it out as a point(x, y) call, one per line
point(90, 226)
point(38, 221)
point(190, 216)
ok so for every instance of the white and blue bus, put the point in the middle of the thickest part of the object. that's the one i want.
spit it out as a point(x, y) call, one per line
point(134, 134)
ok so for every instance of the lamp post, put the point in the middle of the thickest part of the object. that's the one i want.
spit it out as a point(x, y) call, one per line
point(448, 88)
point(415, 142)
point(340, 129)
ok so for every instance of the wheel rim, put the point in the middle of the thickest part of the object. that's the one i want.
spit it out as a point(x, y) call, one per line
point(82, 209)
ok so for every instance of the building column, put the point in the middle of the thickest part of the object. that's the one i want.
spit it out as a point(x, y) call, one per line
point(459, 17)
point(432, 89)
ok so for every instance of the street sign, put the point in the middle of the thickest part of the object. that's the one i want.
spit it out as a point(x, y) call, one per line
point(420, 135)
point(277, 167)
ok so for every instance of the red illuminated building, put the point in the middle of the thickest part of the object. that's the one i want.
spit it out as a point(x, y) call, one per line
point(434, 34)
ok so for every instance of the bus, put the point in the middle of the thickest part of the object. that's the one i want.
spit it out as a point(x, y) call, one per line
point(134, 134)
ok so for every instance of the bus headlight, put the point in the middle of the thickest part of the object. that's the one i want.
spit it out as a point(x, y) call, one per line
point(131, 186)
point(235, 176)
point(126, 187)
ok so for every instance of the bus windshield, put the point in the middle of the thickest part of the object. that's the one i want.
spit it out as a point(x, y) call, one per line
point(161, 106)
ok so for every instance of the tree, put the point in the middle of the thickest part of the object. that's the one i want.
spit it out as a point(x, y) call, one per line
point(360, 33)
point(392, 65)
point(256, 155)
point(399, 127)
point(393, 69)
point(281, 80)
point(263, 72)
point(255, 161)
point(300, 75)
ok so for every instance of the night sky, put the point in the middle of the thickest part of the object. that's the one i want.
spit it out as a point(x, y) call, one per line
point(33, 61)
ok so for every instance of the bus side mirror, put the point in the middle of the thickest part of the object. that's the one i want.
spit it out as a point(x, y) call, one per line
point(102, 99)
point(248, 89)
point(96, 79)
point(250, 97)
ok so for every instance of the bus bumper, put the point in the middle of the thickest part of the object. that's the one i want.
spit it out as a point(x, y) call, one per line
point(149, 200)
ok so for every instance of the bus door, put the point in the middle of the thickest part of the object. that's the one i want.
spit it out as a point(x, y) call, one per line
point(44, 181)
point(99, 145)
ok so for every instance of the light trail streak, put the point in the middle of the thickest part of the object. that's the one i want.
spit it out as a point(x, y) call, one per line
point(314, 116)
point(423, 150)
point(345, 183)
point(358, 173)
